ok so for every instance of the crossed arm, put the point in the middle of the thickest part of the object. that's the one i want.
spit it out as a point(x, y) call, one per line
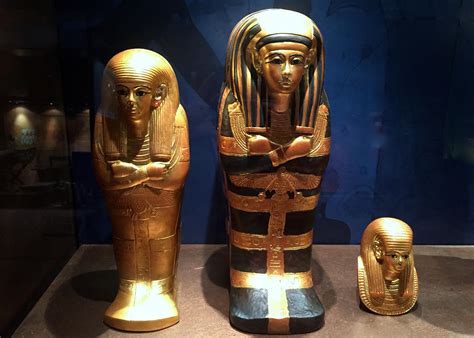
point(117, 174)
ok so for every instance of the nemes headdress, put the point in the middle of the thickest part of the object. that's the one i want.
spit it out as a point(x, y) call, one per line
point(391, 234)
point(243, 83)
point(150, 68)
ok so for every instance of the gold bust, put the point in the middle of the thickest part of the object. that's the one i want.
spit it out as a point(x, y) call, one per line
point(141, 159)
point(387, 279)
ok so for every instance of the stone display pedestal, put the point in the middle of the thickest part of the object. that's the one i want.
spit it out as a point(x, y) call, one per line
point(74, 304)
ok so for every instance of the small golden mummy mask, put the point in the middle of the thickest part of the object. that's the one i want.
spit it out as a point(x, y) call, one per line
point(387, 279)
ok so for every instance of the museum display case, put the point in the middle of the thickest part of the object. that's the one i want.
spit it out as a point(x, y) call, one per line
point(37, 233)
point(399, 112)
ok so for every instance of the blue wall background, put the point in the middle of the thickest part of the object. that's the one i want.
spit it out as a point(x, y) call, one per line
point(399, 76)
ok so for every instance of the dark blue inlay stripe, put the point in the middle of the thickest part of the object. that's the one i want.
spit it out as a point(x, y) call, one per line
point(262, 164)
point(299, 222)
point(248, 260)
point(249, 309)
point(298, 260)
point(226, 130)
point(249, 222)
point(246, 164)
point(241, 34)
point(305, 309)
point(308, 165)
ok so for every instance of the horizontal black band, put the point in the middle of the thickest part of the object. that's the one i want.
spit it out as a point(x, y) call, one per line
point(297, 260)
point(256, 260)
point(249, 309)
point(306, 311)
point(249, 222)
point(283, 37)
point(248, 260)
point(299, 222)
point(262, 164)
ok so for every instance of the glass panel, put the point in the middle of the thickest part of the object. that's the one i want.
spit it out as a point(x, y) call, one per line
point(37, 232)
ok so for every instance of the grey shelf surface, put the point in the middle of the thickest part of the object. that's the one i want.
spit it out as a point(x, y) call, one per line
point(74, 303)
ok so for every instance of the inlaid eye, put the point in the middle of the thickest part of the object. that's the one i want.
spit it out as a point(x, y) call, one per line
point(297, 61)
point(121, 91)
point(276, 61)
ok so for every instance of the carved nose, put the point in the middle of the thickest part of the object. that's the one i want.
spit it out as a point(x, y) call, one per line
point(286, 69)
point(131, 97)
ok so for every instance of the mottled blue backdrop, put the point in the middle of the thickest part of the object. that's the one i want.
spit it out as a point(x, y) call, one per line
point(399, 76)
